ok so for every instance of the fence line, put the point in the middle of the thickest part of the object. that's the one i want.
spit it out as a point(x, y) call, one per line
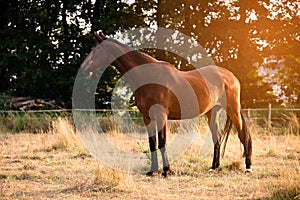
point(35, 111)
point(246, 110)
point(64, 110)
point(251, 113)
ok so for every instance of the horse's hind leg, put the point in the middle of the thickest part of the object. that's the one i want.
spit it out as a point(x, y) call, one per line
point(162, 137)
point(246, 140)
point(244, 136)
point(214, 128)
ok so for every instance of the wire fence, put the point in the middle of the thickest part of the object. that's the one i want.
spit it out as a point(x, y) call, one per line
point(271, 118)
point(267, 118)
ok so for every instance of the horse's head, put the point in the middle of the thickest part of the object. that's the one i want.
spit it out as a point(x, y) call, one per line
point(97, 58)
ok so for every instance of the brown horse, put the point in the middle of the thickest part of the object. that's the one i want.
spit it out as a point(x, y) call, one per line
point(174, 95)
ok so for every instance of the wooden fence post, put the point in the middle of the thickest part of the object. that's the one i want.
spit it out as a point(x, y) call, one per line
point(269, 116)
point(249, 115)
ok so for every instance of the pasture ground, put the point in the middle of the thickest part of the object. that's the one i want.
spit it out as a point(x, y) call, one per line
point(55, 166)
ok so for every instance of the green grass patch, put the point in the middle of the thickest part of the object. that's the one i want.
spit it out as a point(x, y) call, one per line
point(27, 122)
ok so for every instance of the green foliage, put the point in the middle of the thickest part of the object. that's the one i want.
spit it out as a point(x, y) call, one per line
point(241, 36)
point(42, 47)
point(4, 101)
point(26, 122)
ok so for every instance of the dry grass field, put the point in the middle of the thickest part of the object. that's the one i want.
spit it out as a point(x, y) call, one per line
point(54, 165)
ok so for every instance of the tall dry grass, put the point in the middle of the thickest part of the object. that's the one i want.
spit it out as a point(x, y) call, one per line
point(65, 135)
point(266, 145)
point(293, 125)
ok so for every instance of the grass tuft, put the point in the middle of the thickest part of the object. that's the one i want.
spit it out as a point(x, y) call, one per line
point(286, 194)
point(293, 125)
point(66, 136)
point(109, 179)
point(3, 176)
point(234, 166)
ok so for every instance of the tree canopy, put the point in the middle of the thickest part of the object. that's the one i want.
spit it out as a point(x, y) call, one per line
point(43, 42)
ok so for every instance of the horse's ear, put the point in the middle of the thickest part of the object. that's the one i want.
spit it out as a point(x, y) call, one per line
point(102, 35)
point(98, 37)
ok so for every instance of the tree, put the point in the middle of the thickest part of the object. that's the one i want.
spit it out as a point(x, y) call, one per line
point(44, 42)
point(240, 35)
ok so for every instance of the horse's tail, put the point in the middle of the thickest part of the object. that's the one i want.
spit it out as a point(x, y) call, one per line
point(225, 134)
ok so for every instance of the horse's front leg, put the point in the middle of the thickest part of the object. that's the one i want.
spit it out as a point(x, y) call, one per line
point(162, 147)
point(152, 132)
point(152, 144)
point(156, 125)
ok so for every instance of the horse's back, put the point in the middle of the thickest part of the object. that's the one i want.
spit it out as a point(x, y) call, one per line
point(213, 85)
point(218, 76)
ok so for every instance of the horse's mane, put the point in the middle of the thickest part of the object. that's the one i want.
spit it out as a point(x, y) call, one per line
point(133, 49)
point(147, 57)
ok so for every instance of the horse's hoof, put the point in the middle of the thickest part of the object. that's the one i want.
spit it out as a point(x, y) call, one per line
point(149, 173)
point(164, 174)
point(248, 171)
point(211, 170)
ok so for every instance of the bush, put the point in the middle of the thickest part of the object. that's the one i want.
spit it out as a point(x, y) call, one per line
point(4, 101)
point(26, 122)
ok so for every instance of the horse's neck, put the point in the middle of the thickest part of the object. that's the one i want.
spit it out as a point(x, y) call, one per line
point(128, 58)
point(131, 60)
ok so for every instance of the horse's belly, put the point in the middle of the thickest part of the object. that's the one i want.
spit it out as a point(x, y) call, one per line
point(185, 114)
point(189, 110)
point(176, 116)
